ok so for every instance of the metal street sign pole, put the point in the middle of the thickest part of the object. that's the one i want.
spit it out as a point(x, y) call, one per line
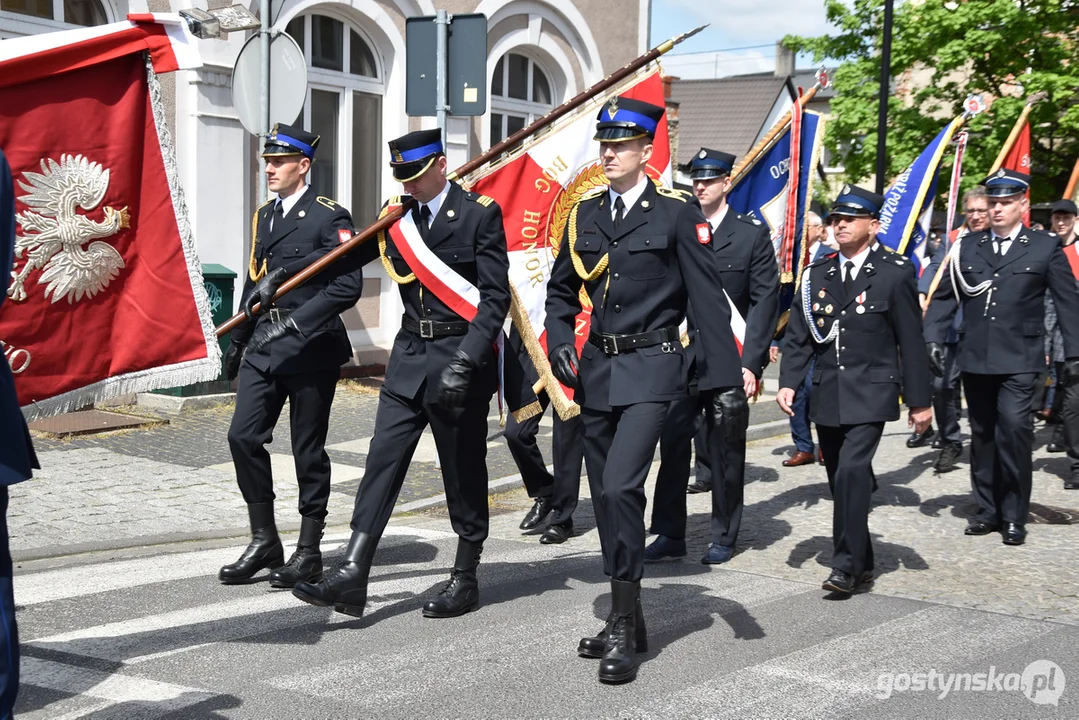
point(442, 30)
point(264, 92)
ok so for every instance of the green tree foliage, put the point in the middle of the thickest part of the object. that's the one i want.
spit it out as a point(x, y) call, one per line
point(1007, 50)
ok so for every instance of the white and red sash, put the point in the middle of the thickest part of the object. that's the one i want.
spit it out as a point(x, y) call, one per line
point(457, 293)
point(738, 325)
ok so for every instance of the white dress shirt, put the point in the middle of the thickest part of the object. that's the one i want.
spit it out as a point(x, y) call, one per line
point(716, 219)
point(1001, 245)
point(858, 261)
point(436, 202)
point(287, 203)
point(629, 197)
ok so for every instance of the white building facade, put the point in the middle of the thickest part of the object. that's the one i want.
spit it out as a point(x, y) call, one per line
point(539, 54)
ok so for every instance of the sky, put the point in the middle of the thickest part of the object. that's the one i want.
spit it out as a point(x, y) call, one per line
point(743, 24)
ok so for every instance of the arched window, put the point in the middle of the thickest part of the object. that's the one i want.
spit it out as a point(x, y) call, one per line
point(520, 93)
point(76, 12)
point(344, 108)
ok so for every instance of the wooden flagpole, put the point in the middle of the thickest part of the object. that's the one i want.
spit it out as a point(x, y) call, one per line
point(505, 146)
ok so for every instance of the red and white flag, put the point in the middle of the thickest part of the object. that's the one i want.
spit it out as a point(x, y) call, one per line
point(1018, 159)
point(536, 187)
point(106, 296)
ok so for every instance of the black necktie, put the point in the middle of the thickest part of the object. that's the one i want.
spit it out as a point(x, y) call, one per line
point(278, 215)
point(848, 276)
point(619, 208)
point(423, 221)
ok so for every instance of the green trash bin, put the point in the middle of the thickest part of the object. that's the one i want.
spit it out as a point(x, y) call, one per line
point(220, 285)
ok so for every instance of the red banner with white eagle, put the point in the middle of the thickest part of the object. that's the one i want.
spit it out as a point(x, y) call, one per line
point(106, 296)
point(536, 186)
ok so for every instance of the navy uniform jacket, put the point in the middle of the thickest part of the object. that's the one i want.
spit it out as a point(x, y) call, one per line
point(467, 235)
point(17, 456)
point(857, 376)
point(1003, 329)
point(313, 227)
point(747, 263)
point(656, 265)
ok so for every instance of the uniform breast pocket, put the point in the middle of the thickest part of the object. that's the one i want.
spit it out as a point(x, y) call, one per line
point(1021, 268)
point(648, 256)
point(870, 317)
point(733, 272)
point(292, 251)
point(456, 254)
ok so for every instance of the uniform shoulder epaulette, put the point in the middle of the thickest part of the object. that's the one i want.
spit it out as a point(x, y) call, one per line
point(483, 200)
point(893, 257)
point(326, 202)
point(593, 193)
point(823, 259)
point(271, 201)
point(680, 195)
point(748, 219)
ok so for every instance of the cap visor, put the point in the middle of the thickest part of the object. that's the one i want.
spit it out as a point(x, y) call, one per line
point(407, 172)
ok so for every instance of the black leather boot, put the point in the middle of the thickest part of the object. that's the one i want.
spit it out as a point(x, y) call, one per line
point(345, 588)
point(264, 551)
point(462, 593)
point(305, 565)
point(593, 647)
point(619, 663)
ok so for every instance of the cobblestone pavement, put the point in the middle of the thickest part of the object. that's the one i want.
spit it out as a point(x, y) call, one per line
point(917, 526)
point(175, 482)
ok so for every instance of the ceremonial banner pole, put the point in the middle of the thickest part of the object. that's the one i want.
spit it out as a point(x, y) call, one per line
point(391, 217)
point(1069, 192)
point(1016, 129)
point(778, 129)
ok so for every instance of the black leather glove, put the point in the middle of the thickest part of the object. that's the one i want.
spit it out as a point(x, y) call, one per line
point(936, 358)
point(1071, 372)
point(267, 332)
point(453, 383)
point(564, 365)
point(730, 411)
point(263, 292)
point(233, 356)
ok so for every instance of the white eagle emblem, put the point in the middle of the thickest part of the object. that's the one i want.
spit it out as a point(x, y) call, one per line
point(55, 232)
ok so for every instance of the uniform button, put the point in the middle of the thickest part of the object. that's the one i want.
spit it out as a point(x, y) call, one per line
point(992, 318)
point(615, 276)
point(649, 242)
point(455, 256)
point(841, 349)
point(271, 254)
point(842, 312)
point(993, 304)
point(618, 308)
point(614, 244)
point(842, 368)
point(996, 274)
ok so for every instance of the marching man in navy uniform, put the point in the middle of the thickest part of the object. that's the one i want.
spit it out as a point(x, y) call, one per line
point(555, 495)
point(999, 277)
point(641, 253)
point(448, 257)
point(288, 233)
point(856, 316)
point(747, 263)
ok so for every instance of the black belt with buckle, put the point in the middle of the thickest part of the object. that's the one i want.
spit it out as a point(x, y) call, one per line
point(277, 314)
point(431, 329)
point(615, 344)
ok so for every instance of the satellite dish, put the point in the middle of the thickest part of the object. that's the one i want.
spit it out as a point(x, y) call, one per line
point(288, 82)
